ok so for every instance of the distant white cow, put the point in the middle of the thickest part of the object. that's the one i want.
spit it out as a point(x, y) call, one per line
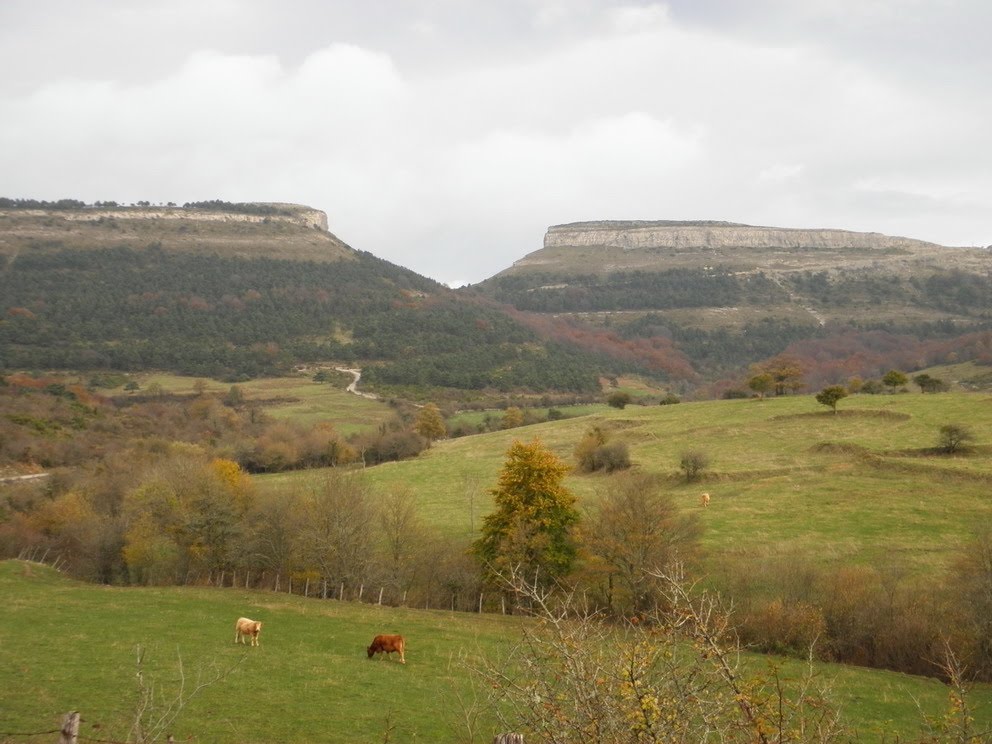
point(704, 500)
point(246, 628)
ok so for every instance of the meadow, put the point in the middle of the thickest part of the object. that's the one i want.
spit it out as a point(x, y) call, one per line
point(786, 475)
point(66, 645)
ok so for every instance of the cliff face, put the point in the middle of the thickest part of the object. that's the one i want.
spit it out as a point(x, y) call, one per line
point(283, 231)
point(589, 248)
point(715, 235)
point(297, 215)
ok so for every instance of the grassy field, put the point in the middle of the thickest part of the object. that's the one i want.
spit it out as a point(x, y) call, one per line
point(298, 398)
point(785, 474)
point(71, 646)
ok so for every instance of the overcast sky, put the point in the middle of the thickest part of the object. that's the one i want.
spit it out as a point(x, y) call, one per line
point(447, 135)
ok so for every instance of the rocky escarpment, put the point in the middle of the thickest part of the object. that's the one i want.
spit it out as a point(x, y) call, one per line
point(584, 248)
point(295, 214)
point(666, 234)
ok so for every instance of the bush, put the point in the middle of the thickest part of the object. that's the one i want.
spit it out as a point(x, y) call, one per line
point(611, 457)
point(669, 400)
point(693, 463)
point(618, 400)
point(735, 394)
point(953, 438)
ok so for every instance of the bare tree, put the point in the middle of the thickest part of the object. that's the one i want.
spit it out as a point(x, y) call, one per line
point(674, 677)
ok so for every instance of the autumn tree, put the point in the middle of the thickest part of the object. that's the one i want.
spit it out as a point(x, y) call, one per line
point(831, 396)
point(532, 524)
point(786, 373)
point(894, 379)
point(336, 538)
point(430, 423)
point(762, 384)
point(635, 530)
point(512, 418)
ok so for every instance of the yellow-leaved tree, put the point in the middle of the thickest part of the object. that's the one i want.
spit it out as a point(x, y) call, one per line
point(531, 528)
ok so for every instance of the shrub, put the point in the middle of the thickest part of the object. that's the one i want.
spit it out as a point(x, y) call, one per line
point(693, 463)
point(953, 438)
point(610, 457)
point(618, 400)
point(669, 400)
point(735, 394)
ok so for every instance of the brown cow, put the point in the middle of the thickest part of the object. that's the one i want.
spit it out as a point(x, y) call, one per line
point(387, 644)
point(704, 500)
point(246, 628)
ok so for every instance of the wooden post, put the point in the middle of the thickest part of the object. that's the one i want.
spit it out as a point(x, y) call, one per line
point(361, 591)
point(480, 602)
point(70, 728)
point(247, 578)
point(509, 739)
point(306, 588)
point(380, 594)
point(404, 597)
point(502, 603)
point(291, 583)
point(277, 582)
point(324, 592)
point(341, 593)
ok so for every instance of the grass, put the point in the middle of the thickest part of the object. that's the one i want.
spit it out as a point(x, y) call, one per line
point(785, 473)
point(297, 398)
point(66, 646)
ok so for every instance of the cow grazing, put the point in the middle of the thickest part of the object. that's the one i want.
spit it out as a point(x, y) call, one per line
point(387, 644)
point(704, 500)
point(246, 628)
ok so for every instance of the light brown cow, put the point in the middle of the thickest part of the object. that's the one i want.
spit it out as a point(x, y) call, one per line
point(246, 628)
point(387, 644)
point(704, 500)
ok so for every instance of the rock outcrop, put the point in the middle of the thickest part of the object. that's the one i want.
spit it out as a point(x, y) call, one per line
point(683, 235)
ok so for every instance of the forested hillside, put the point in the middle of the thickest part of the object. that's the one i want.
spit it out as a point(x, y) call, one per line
point(725, 296)
point(232, 292)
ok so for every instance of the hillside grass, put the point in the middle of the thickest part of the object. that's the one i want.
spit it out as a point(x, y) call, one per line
point(66, 645)
point(296, 398)
point(786, 475)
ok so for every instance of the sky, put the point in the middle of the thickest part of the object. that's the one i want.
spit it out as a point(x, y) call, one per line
point(447, 135)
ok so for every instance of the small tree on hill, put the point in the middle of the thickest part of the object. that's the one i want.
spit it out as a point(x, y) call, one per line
point(761, 384)
point(531, 526)
point(693, 463)
point(894, 379)
point(953, 437)
point(430, 423)
point(930, 384)
point(831, 396)
point(512, 418)
point(618, 399)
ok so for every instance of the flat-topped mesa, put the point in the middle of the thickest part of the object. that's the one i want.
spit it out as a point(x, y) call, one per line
point(633, 235)
point(296, 214)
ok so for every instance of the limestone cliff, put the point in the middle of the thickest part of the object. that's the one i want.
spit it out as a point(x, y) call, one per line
point(663, 234)
point(598, 247)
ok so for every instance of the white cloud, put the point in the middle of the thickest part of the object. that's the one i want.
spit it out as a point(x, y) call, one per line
point(585, 110)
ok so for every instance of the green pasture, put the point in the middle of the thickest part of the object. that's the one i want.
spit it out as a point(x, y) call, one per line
point(785, 474)
point(297, 398)
point(475, 418)
point(66, 646)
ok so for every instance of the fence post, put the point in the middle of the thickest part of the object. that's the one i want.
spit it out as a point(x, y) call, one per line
point(70, 728)
point(380, 594)
point(361, 591)
point(341, 593)
point(306, 588)
point(481, 595)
